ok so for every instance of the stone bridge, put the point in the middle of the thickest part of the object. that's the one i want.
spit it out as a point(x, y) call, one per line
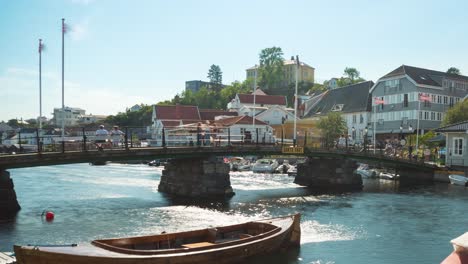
point(200, 172)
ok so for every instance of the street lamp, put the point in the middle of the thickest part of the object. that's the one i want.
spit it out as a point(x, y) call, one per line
point(410, 148)
point(365, 139)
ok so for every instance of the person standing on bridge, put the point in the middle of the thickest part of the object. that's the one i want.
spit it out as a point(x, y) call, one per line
point(116, 136)
point(101, 137)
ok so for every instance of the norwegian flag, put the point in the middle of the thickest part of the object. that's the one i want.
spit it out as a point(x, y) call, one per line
point(41, 46)
point(378, 101)
point(424, 97)
point(65, 28)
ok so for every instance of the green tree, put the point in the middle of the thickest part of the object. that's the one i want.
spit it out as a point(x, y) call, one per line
point(453, 70)
point(458, 113)
point(318, 88)
point(215, 75)
point(271, 68)
point(140, 118)
point(332, 126)
point(351, 73)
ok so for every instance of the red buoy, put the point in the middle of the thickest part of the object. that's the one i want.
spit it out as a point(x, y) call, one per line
point(49, 216)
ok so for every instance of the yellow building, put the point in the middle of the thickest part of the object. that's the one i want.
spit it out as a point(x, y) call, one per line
point(306, 72)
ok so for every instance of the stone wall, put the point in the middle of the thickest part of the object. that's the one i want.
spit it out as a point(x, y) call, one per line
point(8, 203)
point(323, 174)
point(196, 178)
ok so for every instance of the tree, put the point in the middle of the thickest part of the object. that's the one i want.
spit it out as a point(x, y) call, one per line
point(215, 75)
point(351, 76)
point(453, 70)
point(458, 113)
point(271, 68)
point(332, 126)
point(351, 73)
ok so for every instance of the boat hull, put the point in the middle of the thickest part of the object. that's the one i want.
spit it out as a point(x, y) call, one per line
point(232, 253)
point(458, 180)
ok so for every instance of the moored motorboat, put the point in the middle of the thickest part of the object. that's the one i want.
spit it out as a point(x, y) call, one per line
point(225, 244)
point(458, 180)
point(265, 165)
point(365, 171)
point(388, 176)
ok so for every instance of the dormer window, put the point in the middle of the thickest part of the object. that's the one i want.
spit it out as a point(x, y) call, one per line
point(337, 107)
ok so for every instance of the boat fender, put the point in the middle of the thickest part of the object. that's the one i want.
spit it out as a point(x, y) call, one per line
point(49, 216)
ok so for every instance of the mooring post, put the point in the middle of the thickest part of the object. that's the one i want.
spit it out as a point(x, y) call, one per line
point(84, 139)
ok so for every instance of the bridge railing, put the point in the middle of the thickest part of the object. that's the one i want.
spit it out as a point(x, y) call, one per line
point(85, 138)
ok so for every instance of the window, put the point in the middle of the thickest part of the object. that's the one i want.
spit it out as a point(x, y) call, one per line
point(451, 101)
point(433, 98)
point(439, 99)
point(439, 116)
point(382, 105)
point(354, 119)
point(337, 107)
point(405, 100)
point(445, 100)
point(457, 146)
point(427, 104)
point(361, 119)
point(426, 115)
point(433, 116)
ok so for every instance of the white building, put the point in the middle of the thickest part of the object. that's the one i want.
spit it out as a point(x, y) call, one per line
point(70, 115)
point(243, 104)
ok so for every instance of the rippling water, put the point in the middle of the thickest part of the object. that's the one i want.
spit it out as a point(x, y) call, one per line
point(383, 224)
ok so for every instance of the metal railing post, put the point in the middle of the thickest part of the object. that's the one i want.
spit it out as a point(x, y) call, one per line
point(37, 141)
point(19, 139)
point(256, 136)
point(63, 146)
point(126, 138)
point(84, 139)
point(131, 138)
point(163, 138)
point(229, 136)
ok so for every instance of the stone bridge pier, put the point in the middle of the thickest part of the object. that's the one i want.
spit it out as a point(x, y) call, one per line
point(329, 174)
point(196, 177)
point(8, 203)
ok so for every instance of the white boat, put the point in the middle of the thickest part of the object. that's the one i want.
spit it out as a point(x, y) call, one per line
point(365, 172)
point(265, 165)
point(283, 168)
point(292, 170)
point(388, 176)
point(458, 180)
point(239, 164)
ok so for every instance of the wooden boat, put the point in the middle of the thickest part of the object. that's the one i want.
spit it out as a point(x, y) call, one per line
point(225, 244)
point(460, 251)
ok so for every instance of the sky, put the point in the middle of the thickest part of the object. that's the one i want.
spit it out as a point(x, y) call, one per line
point(122, 53)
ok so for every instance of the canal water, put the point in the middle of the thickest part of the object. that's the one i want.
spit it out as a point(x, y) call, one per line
point(384, 223)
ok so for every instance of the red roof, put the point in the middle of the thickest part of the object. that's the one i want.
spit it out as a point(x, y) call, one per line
point(262, 99)
point(210, 114)
point(177, 112)
point(239, 120)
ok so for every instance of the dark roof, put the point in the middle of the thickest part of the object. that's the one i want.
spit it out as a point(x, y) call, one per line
point(27, 130)
point(210, 114)
point(354, 98)
point(243, 120)
point(424, 76)
point(177, 112)
point(457, 127)
point(262, 99)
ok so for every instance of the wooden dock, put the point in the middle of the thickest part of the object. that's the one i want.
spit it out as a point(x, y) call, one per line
point(6, 258)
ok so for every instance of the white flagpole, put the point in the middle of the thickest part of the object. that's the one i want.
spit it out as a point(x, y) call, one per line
point(40, 85)
point(295, 101)
point(253, 110)
point(417, 127)
point(63, 86)
point(375, 119)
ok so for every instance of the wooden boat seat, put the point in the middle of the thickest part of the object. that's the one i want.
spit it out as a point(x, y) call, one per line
point(197, 245)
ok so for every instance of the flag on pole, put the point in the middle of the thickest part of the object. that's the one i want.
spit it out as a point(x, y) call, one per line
point(378, 101)
point(41, 47)
point(424, 97)
point(65, 28)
